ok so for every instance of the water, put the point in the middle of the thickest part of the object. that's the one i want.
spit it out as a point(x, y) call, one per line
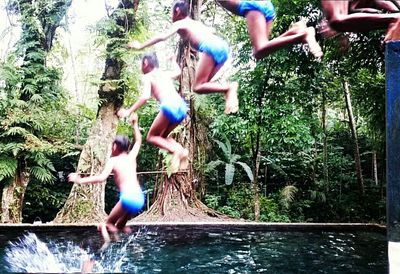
point(198, 250)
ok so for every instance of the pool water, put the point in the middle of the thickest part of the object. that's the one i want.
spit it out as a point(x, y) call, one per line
point(199, 249)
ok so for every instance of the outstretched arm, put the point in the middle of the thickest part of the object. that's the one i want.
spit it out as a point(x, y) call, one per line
point(156, 39)
point(138, 137)
point(76, 178)
point(146, 94)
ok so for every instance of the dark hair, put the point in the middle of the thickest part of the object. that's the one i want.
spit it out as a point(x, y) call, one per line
point(182, 5)
point(152, 59)
point(122, 142)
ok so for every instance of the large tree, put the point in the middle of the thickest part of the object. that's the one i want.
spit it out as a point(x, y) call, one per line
point(31, 91)
point(175, 195)
point(86, 203)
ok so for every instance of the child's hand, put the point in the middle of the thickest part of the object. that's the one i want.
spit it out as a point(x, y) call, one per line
point(122, 113)
point(134, 118)
point(134, 45)
point(73, 177)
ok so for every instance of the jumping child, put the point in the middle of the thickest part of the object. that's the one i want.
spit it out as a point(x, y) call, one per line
point(159, 84)
point(259, 17)
point(123, 165)
point(339, 19)
point(214, 53)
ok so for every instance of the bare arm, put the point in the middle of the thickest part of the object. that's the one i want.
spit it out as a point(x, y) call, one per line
point(74, 177)
point(122, 113)
point(138, 137)
point(156, 39)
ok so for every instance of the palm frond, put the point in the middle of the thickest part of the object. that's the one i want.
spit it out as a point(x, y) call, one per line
point(247, 168)
point(288, 194)
point(229, 173)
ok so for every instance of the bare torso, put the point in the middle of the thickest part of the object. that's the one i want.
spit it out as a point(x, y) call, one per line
point(162, 86)
point(124, 169)
point(193, 31)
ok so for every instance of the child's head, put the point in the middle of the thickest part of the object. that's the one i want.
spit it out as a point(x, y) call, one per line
point(120, 144)
point(180, 10)
point(149, 62)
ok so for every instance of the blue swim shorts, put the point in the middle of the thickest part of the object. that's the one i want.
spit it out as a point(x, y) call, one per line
point(265, 7)
point(175, 110)
point(132, 200)
point(215, 47)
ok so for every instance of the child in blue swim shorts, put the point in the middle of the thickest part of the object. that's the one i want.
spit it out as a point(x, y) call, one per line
point(259, 16)
point(123, 164)
point(214, 53)
point(173, 109)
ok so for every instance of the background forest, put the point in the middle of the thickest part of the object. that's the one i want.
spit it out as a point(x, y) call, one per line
point(307, 144)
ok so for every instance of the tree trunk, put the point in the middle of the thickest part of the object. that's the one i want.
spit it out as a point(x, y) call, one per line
point(13, 196)
point(254, 186)
point(375, 168)
point(353, 130)
point(325, 143)
point(176, 198)
point(36, 51)
point(86, 203)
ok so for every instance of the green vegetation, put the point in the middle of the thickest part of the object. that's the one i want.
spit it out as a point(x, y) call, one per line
point(288, 151)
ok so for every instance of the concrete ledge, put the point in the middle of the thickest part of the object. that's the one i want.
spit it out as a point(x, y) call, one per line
point(259, 226)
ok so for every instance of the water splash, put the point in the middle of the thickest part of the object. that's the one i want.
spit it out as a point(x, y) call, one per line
point(30, 254)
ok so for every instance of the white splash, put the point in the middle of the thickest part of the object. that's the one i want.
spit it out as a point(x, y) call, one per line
point(30, 255)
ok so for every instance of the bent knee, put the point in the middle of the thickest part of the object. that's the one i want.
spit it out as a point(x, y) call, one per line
point(149, 138)
point(336, 23)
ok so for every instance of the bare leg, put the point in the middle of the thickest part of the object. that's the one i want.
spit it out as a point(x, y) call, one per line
point(156, 135)
point(231, 5)
point(112, 219)
point(393, 33)
point(121, 223)
point(102, 228)
point(374, 6)
point(339, 19)
point(259, 31)
point(206, 69)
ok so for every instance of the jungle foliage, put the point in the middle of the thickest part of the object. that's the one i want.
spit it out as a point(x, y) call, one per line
point(291, 136)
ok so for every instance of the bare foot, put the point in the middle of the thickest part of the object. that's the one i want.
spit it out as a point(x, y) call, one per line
point(184, 160)
point(106, 237)
point(315, 49)
point(298, 25)
point(393, 33)
point(126, 230)
point(175, 161)
point(231, 99)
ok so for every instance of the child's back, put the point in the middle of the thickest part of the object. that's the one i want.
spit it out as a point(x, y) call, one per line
point(125, 176)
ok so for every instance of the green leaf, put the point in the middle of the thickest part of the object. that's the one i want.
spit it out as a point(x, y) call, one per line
point(229, 173)
point(247, 169)
point(224, 148)
point(287, 195)
point(211, 166)
point(8, 167)
point(42, 174)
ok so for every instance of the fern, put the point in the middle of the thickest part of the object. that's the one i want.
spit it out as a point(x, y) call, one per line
point(8, 167)
point(42, 174)
point(15, 131)
point(288, 194)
